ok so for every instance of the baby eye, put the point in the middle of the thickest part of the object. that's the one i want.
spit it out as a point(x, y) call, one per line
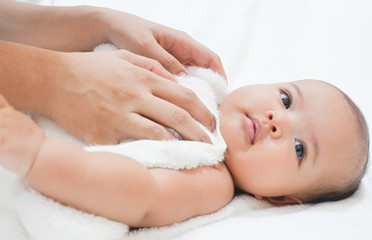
point(300, 149)
point(286, 99)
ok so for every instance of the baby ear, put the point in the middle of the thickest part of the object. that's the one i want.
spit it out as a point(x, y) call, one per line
point(281, 201)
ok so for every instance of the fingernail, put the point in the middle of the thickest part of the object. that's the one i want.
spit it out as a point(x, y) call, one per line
point(213, 124)
point(182, 74)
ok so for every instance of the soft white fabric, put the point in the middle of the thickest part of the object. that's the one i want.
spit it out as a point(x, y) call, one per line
point(263, 41)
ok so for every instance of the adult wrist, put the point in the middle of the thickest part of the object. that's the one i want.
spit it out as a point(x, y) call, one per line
point(112, 22)
point(90, 28)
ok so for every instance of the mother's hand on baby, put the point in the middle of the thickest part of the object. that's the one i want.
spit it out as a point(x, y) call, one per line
point(172, 48)
point(111, 96)
point(134, 102)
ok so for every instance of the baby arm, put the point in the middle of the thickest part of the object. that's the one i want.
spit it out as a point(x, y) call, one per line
point(119, 188)
point(20, 139)
point(101, 183)
point(107, 184)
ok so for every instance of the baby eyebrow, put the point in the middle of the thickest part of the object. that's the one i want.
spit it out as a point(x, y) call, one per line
point(298, 91)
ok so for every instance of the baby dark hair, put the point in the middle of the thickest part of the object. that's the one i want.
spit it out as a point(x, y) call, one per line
point(348, 188)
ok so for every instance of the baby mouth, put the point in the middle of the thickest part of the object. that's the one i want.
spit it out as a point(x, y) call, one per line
point(252, 128)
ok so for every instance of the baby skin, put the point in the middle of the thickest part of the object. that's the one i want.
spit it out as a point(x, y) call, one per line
point(283, 141)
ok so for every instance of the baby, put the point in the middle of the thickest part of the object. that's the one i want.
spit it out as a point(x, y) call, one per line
point(287, 143)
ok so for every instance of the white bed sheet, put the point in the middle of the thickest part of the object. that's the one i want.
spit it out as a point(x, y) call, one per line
point(271, 41)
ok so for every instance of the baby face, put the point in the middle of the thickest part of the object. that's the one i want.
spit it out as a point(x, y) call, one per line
point(284, 139)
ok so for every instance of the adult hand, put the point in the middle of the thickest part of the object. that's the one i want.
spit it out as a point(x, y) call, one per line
point(172, 48)
point(107, 97)
point(87, 27)
point(82, 28)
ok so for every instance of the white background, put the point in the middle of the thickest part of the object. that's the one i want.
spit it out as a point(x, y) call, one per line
point(274, 41)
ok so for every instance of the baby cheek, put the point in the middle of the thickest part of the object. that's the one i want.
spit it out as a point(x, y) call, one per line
point(266, 168)
point(272, 161)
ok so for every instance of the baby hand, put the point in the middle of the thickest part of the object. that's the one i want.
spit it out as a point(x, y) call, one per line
point(20, 140)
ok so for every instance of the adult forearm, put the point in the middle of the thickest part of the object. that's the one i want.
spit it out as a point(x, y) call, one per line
point(58, 28)
point(25, 72)
point(101, 183)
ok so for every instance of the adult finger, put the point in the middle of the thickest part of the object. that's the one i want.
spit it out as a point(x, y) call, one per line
point(176, 118)
point(190, 52)
point(169, 62)
point(147, 63)
point(188, 100)
point(199, 55)
point(140, 127)
point(211, 60)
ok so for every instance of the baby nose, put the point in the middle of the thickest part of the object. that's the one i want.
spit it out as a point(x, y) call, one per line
point(275, 123)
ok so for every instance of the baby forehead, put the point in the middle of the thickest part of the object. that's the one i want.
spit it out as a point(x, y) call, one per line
point(305, 85)
point(322, 89)
point(322, 99)
point(328, 111)
point(311, 83)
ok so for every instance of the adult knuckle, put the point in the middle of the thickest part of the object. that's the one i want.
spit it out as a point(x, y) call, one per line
point(154, 132)
point(105, 111)
point(184, 34)
point(155, 63)
point(145, 43)
point(169, 62)
point(190, 96)
point(124, 92)
point(180, 116)
point(152, 64)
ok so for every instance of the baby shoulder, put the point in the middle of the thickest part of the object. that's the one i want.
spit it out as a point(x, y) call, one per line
point(217, 191)
point(182, 194)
